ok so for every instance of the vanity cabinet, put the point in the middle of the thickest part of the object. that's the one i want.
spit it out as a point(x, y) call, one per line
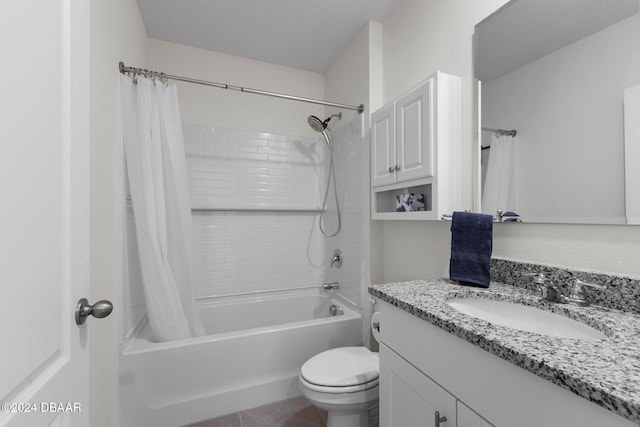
point(424, 369)
point(467, 417)
point(410, 398)
point(415, 148)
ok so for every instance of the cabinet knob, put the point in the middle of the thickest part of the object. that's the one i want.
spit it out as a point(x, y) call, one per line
point(439, 419)
point(397, 167)
point(391, 169)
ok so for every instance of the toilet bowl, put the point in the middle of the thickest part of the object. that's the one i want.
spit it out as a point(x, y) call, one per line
point(344, 382)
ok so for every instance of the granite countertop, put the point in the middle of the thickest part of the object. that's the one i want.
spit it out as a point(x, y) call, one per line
point(606, 372)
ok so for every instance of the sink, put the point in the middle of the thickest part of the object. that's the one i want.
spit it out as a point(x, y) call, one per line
point(525, 318)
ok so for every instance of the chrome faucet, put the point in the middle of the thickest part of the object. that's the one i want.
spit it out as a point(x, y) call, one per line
point(579, 294)
point(330, 286)
point(552, 293)
point(549, 291)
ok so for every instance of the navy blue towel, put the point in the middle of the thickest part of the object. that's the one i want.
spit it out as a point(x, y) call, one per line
point(471, 245)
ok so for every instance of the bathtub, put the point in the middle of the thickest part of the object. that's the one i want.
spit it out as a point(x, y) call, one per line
point(251, 356)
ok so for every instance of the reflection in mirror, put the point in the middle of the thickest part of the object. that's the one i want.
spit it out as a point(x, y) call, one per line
point(556, 72)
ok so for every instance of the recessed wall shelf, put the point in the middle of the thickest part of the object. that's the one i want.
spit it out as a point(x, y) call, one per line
point(384, 201)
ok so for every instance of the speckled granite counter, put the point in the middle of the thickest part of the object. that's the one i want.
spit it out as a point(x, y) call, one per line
point(606, 372)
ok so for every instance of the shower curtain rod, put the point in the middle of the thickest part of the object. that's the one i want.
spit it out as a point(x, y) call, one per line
point(502, 132)
point(155, 74)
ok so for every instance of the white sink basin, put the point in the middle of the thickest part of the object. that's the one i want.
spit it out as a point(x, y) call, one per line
point(525, 318)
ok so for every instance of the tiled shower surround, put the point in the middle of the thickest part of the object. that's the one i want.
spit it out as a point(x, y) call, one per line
point(231, 168)
point(257, 199)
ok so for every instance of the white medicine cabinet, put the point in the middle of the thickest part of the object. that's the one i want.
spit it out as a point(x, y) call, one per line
point(415, 149)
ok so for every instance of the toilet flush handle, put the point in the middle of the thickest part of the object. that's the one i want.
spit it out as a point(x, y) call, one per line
point(376, 325)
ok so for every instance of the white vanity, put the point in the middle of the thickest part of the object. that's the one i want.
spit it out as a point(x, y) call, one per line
point(436, 363)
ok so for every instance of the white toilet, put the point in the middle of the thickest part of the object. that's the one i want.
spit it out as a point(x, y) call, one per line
point(344, 382)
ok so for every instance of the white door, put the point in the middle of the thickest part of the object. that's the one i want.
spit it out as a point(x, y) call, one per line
point(44, 213)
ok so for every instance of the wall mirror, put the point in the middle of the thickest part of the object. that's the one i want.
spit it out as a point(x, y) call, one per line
point(555, 72)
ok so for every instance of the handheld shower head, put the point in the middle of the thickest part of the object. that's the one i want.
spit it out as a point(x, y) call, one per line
point(316, 124)
point(320, 126)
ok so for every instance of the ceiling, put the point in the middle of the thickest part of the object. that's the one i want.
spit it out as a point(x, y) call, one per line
point(304, 34)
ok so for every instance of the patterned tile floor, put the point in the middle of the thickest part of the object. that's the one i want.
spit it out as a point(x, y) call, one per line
point(296, 412)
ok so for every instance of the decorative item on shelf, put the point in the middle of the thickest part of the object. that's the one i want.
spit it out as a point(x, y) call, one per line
point(410, 202)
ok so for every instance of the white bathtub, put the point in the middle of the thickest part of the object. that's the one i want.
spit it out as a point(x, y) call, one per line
point(251, 357)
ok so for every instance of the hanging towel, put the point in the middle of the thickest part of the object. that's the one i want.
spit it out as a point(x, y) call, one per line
point(471, 245)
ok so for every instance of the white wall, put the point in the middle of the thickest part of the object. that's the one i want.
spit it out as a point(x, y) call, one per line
point(419, 38)
point(117, 34)
point(347, 80)
point(567, 108)
point(233, 109)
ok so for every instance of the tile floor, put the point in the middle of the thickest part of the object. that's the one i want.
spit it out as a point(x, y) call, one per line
point(296, 412)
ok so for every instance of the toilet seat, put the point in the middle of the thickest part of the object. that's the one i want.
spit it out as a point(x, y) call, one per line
point(338, 389)
point(341, 370)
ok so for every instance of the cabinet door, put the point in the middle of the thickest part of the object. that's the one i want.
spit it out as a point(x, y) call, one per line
point(408, 398)
point(414, 133)
point(468, 418)
point(383, 150)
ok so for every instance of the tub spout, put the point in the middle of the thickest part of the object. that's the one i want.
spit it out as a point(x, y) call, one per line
point(332, 285)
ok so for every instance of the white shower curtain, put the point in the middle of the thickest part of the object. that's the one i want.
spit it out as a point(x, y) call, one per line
point(157, 171)
point(500, 181)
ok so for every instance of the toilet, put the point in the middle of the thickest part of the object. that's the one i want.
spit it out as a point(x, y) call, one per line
point(344, 382)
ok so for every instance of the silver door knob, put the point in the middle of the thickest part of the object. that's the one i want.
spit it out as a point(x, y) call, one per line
point(101, 309)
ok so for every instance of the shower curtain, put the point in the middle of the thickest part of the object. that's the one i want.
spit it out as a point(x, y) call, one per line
point(157, 171)
point(500, 187)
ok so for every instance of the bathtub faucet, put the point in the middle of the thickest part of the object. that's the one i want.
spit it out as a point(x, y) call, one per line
point(329, 286)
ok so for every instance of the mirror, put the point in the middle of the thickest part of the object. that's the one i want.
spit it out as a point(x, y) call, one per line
point(555, 72)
